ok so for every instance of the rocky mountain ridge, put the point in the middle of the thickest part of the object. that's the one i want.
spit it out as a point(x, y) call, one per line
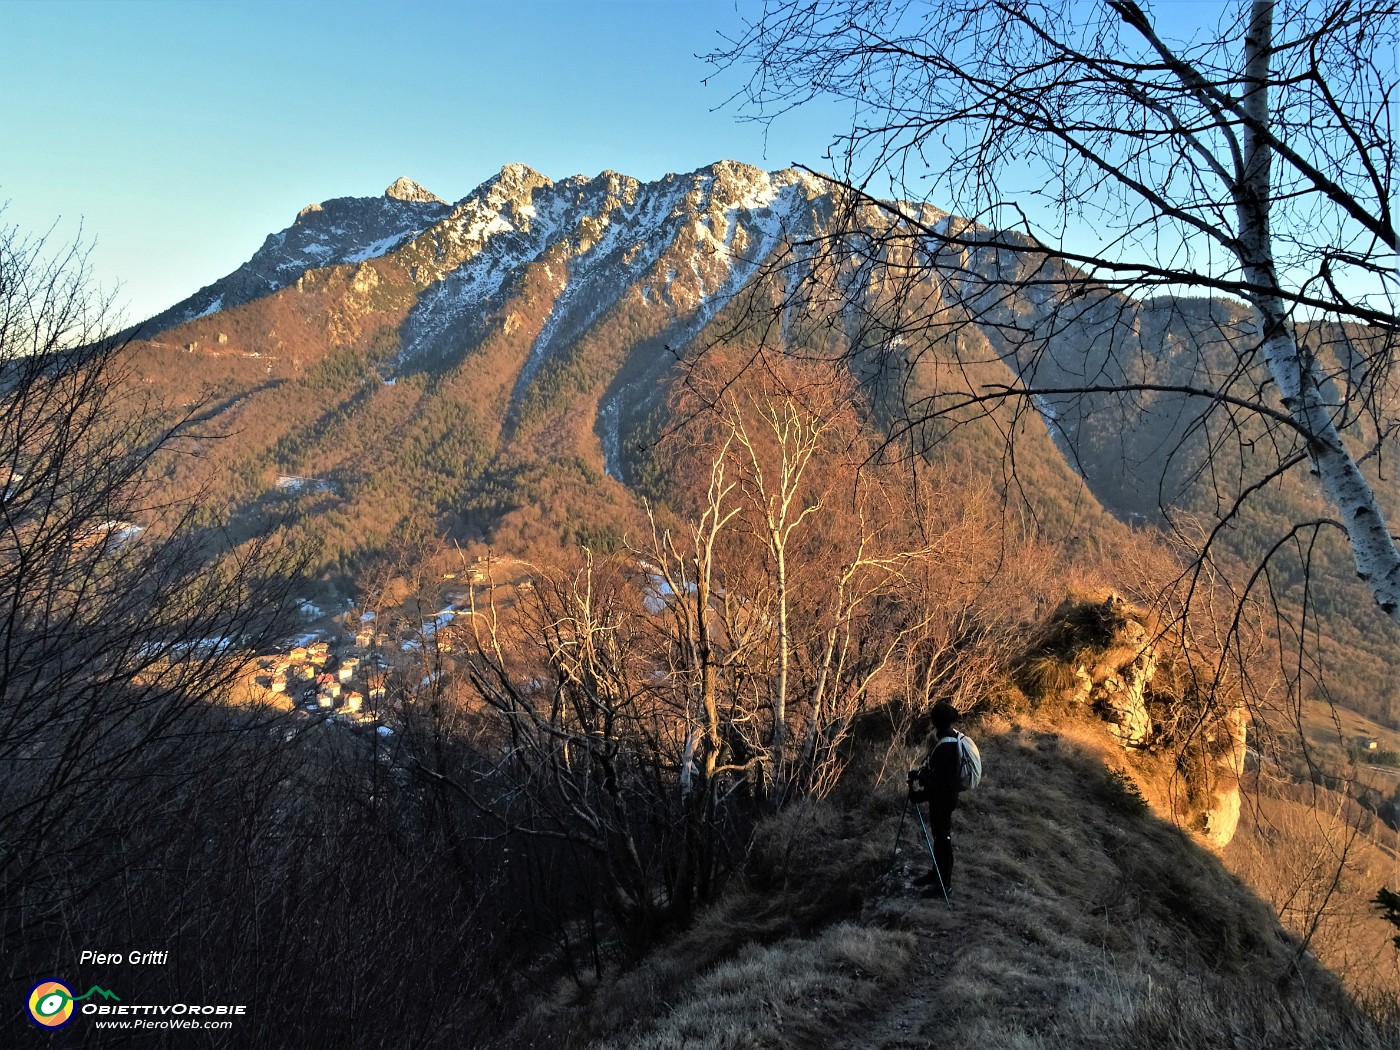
point(556, 310)
point(604, 236)
point(329, 233)
point(676, 249)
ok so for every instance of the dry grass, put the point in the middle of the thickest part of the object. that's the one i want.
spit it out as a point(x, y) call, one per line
point(1321, 875)
point(1332, 733)
point(766, 995)
point(1049, 677)
point(1080, 919)
point(1087, 623)
point(1187, 1016)
point(1083, 903)
point(809, 870)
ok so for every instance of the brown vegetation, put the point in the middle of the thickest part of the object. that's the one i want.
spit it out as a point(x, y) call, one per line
point(1079, 920)
point(667, 771)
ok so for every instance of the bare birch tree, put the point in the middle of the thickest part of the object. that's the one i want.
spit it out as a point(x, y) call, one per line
point(804, 581)
point(1253, 159)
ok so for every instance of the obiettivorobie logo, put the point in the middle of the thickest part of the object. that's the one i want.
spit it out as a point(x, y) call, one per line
point(51, 1002)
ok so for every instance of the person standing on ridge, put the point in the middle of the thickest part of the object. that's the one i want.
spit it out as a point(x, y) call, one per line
point(938, 782)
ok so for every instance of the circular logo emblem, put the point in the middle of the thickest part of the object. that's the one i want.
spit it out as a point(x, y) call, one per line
point(50, 1004)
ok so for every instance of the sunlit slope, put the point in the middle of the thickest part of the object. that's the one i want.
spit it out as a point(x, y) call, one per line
point(503, 372)
point(1173, 451)
point(1181, 454)
point(1079, 919)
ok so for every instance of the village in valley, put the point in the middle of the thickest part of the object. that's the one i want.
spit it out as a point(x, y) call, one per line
point(355, 668)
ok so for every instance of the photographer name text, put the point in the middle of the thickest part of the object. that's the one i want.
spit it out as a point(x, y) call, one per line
point(135, 958)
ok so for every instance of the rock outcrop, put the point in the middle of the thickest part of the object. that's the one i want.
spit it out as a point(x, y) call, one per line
point(1222, 817)
point(1110, 663)
point(405, 189)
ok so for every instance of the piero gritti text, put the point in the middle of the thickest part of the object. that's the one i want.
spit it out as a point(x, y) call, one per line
point(132, 958)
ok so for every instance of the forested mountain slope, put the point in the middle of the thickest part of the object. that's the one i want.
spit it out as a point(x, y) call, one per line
point(505, 372)
point(500, 368)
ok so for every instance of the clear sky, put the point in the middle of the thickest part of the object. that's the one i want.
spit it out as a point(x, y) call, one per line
point(182, 133)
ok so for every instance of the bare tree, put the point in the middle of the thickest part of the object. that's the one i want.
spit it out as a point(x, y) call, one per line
point(122, 626)
point(804, 583)
point(1252, 159)
point(643, 710)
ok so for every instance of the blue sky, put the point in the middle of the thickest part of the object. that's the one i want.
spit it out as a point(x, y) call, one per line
point(181, 134)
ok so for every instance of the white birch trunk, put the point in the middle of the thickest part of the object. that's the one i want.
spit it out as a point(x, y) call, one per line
point(692, 743)
point(1297, 376)
point(784, 643)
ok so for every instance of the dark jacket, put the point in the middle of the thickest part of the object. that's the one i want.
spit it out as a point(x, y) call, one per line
point(940, 778)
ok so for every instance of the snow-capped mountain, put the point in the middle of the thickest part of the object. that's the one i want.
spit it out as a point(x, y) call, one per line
point(591, 285)
point(498, 365)
point(543, 265)
point(341, 230)
point(599, 238)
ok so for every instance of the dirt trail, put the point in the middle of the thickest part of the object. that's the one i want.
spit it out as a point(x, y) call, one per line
point(908, 1017)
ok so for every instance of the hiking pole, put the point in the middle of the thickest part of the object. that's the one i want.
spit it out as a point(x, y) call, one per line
point(894, 850)
point(929, 843)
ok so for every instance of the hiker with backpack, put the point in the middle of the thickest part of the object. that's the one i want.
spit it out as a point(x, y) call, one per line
point(953, 765)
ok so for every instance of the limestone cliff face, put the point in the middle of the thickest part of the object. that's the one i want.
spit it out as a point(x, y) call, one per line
point(1114, 683)
point(1223, 817)
point(1113, 660)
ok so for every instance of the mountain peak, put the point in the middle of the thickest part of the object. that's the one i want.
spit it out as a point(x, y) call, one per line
point(405, 189)
point(738, 169)
point(520, 171)
point(515, 180)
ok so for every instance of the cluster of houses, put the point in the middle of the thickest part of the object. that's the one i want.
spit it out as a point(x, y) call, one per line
point(312, 675)
point(354, 685)
point(368, 637)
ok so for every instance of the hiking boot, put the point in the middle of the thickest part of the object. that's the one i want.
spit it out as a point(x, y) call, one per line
point(937, 893)
point(929, 878)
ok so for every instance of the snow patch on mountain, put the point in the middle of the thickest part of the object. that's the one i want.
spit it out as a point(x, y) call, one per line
point(376, 249)
point(767, 209)
point(762, 227)
point(341, 230)
point(626, 247)
point(492, 250)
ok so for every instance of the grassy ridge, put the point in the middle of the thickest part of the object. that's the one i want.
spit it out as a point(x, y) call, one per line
point(1080, 919)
